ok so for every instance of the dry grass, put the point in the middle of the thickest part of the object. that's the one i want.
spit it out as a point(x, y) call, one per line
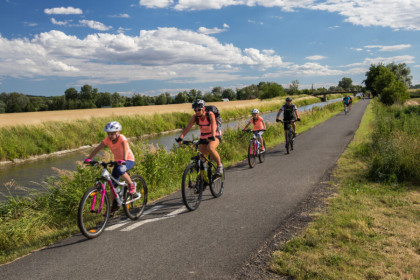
point(30, 118)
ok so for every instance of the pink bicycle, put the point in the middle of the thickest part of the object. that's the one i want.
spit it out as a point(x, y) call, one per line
point(254, 148)
point(94, 207)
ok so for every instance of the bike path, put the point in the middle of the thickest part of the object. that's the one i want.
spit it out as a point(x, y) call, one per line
point(214, 241)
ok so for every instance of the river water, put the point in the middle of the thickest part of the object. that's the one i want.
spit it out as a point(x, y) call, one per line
point(31, 175)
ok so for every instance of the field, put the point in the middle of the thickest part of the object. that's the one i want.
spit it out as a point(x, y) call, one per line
point(29, 118)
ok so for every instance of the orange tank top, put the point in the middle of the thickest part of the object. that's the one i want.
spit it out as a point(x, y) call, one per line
point(258, 124)
point(117, 148)
point(205, 126)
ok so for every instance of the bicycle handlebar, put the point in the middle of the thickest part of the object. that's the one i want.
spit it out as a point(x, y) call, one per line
point(283, 121)
point(249, 130)
point(102, 163)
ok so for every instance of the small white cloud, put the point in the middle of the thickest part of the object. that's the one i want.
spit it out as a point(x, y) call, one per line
point(63, 11)
point(226, 26)
point(334, 27)
point(123, 30)
point(315, 57)
point(357, 49)
point(156, 3)
point(255, 22)
point(120, 16)
point(30, 24)
point(62, 23)
point(389, 48)
point(215, 30)
point(94, 25)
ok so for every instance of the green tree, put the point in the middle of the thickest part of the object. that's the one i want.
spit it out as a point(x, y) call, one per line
point(371, 76)
point(71, 94)
point(161, 99)
point(395, 92)
point(117, 100)
point(182, 97)
point(345, 83)
point(103, 99)
point(402, 73)
point(229, 94)
point(294, 87)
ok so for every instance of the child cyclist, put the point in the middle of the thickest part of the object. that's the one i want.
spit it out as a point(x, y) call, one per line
point(123, 155)
point(259, 126)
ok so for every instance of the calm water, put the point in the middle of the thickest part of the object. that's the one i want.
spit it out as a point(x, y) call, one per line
point(31, 175)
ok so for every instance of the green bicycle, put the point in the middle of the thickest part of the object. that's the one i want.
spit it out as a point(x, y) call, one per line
point(197, 176)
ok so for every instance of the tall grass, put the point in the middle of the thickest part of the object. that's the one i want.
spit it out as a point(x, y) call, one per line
point(24, 141)
point(30, 223)
point(395, 147)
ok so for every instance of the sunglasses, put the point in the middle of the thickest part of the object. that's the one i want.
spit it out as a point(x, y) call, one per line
point(197, 110)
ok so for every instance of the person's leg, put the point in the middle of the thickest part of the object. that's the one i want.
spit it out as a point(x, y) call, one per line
point(211, 148)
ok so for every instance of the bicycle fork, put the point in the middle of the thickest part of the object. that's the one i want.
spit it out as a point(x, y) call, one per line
point(102, 191)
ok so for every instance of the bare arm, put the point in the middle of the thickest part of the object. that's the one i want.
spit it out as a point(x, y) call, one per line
point(97, 149)
point(125, 149)
point(188, 127)
point(213, 125)
point(247, 125)
point(278, 114)
point(264, 125)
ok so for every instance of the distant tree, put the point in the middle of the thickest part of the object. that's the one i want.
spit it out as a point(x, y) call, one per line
point(371, 76)
point(71, 94)
point(345, 83)
point(402, 73)
point(2, 107)
point(270, 90)
point(117, 100)
point(16, 102)
point(229, 94)
point(103, 99)
point(182, 97)
point(217, 93)
point(169, 99)
point(161, 99)
point(137, 100)
point(294, 87)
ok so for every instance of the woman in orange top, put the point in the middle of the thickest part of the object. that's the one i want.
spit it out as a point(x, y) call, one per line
point(259, 126)
point(209, 133)
point(123, 155)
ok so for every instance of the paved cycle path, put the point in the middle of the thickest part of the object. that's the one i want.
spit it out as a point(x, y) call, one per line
point(216, 240)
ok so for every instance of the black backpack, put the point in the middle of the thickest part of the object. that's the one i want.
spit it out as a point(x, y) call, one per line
point(212, 108)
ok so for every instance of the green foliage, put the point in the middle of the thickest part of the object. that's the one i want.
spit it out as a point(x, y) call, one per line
point(346, 83)
point(394, 151)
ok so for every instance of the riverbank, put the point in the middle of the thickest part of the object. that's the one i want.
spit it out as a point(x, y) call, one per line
point(28, 224)
point(22, 143)
point(370, 228)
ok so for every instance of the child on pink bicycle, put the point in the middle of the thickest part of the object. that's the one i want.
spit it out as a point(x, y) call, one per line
point(123, 155)
point(259, 126)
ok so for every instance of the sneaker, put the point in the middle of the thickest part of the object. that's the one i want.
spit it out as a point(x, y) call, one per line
point(219, 171)
point(262, 149)
point(132, 188)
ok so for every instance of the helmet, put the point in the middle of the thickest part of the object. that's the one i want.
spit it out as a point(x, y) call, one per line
point(198, 104)
point(113, 127)
point(288, 99)
point(255, 111)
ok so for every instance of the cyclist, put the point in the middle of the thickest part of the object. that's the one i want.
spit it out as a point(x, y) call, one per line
point(346, 101)
point(259, 126)
point(290, 114)
point(210, 136)
point(119, 147)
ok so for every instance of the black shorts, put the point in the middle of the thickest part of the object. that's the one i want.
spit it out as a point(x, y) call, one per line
point(287, 123)
point(206, 142)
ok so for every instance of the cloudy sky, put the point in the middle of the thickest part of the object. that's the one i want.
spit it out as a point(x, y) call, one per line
point(154, 46)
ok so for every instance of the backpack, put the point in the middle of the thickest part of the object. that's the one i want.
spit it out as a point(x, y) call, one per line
point(212, 108)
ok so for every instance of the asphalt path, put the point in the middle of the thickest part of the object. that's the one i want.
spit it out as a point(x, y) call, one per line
point(214, 241)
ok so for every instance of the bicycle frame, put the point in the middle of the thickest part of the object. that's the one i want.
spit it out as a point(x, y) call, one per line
point(197, 160)
point(108, 178)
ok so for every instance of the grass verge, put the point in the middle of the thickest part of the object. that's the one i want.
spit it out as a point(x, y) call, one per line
point(371, 228)
point(28, 224)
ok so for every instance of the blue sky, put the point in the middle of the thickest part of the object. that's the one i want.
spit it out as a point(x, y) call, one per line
point(155, 46)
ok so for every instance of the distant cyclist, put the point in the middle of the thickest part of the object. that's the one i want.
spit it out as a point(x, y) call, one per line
point(290, 114)
point(210, 137)
point(258, 125)
point(346, 101)
point(351, 101)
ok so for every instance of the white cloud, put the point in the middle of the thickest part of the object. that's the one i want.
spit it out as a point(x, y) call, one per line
point(156, 3)
point(63, 23)
point(63, 11)
point(123, 30)
point(94, 25)
point(225, 25)
point(389, 48)
point(120, 16)
point(255, 22)
point(315, 57)
point(30, 24)
point(384, 60)
point(163, 54)
point(215, 30)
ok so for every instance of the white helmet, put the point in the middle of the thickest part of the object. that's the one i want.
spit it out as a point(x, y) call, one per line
point(113, 127)
point(255, 111)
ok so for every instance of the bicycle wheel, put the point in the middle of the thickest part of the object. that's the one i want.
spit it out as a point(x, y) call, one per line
point(287, 141)
point(251, 154)
point(292, 142)
point(192, 187)
point(261, 156)
point(217, 184)
point(93, 212)
point(134, 207)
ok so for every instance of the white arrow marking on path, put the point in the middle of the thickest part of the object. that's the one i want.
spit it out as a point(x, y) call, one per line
point(167, 216)
point(120, 224)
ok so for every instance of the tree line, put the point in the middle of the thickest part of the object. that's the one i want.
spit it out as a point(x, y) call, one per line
point(89, 97)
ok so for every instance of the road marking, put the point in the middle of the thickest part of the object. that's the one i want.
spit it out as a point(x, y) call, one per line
point(120, 224)
point(167, 216)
